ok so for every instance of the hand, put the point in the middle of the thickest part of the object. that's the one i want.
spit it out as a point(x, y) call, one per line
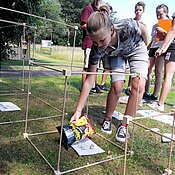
point(159, 52)
point(75, 117)
point(161, 30)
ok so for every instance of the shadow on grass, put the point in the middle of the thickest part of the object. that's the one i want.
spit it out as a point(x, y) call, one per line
point(17, 156)
point(9, 64)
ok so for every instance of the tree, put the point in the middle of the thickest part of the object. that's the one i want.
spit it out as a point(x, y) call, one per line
point(11, 33)
point(66, 13)
point(51, 9)
point(71, 11)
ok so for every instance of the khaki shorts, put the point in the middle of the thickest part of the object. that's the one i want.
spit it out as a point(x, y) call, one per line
point(138, 62)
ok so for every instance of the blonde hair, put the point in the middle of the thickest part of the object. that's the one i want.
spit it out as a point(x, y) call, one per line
point(98, 21)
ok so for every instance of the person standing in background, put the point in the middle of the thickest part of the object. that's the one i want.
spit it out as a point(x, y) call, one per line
point(169, 66)
point(158, 62)
point(86, 41)
point(139, 10)
point(107, 9)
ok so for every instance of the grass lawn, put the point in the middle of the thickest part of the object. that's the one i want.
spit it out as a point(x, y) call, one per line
point(18, 157)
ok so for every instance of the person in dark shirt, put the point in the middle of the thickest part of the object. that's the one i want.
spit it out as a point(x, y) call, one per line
point(86, 41)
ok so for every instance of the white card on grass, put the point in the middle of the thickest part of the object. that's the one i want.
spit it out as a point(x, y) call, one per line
point(164, 118)
point(124, 99)
point(86, 147)
point(8, 106)
point(164, 139)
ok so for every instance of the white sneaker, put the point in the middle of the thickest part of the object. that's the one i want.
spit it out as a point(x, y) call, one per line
point(106, 126)
point(121, 134)
point(156, 106)
point(174, 106)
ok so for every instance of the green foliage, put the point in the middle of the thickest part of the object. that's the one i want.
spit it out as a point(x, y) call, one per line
point(71, 10)
point(65, 13)
point(11, 33)
point(51, 9)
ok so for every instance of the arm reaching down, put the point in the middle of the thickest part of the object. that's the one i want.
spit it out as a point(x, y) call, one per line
point(87, 85)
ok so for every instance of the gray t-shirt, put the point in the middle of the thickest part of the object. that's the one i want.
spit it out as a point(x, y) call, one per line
point(155, 43)
point(129, 37)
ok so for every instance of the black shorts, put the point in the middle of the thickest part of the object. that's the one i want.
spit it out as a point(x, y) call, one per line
point(152, 52)
point(170, 54)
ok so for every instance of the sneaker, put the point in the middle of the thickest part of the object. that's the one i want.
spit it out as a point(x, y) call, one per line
point(145, 101)
point(98, 89)
point(106, 127)
point(128, 91)
point(153, 98)
point(146, 97)
point(156, 106)
point(121, 134)
point(93, 90)
point(103, 87)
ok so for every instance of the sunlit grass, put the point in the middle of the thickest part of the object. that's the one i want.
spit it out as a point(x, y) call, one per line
point(18, 157)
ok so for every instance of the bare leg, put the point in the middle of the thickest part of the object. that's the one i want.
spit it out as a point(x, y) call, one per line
point(168, 76)
point(104, 77)
point(151, 63)
point(135, 97)
point(86, 61)
point(159, 63)
point(96, 79)
point(113, 97)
